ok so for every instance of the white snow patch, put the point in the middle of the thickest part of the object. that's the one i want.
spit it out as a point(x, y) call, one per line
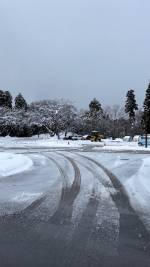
point(35, 142)
point(23, 197)
point(13, 163)
point(138, 188)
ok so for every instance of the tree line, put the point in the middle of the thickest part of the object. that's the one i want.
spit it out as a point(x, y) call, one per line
point(20, 119)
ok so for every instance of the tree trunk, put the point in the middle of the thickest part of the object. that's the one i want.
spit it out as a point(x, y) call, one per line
point(58, 135)
point(66, 131)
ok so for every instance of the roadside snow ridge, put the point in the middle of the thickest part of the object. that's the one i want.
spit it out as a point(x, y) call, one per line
point(13, 163)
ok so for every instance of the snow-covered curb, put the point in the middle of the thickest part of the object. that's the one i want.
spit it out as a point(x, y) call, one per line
point(138, 189)
point(13, 163)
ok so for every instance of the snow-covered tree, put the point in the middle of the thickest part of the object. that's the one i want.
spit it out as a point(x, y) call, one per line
point(69, 114)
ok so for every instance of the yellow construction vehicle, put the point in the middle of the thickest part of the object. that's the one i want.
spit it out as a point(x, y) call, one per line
point(96, 136)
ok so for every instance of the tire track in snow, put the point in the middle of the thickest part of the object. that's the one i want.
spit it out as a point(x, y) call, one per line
point(95, 240)
point(35, 209)
point(51, 233)
point(64, 212)
point(132, 231)
point(86, 192)
point(106, 217)
point(45, 243)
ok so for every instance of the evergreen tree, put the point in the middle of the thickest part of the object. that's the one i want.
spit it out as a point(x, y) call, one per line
point(146, 112)
point(8, 99)
point(5, 99)
point(95, 115)
point(131, 106)
point(20, 102)
point(1, 98)
point(95, 106)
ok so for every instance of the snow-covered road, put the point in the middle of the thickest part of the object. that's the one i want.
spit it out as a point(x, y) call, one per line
point(72, 208)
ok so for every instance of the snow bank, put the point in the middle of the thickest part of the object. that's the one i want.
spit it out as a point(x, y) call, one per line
point(47, 141)
point(121, 146)
point(13, 163)
point(138, 189)
point(37, 142)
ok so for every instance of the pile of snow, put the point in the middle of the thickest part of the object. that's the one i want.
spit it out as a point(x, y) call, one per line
point(116, 140)
point(13, 163)
point(138, 189)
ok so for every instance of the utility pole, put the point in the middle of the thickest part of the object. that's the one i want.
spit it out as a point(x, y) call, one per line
point(146, 141)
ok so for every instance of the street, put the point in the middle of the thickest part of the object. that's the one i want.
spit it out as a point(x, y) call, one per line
point(71, 210)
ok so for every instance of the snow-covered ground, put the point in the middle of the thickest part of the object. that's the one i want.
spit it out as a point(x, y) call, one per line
point(138, 189)
point(120, 145)
point(13, 163)
point(53, 142)
point(41, 142)
point(133, 171)
point(27, 179)
point(36, 142)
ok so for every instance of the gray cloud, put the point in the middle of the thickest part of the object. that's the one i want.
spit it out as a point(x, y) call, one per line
point(76, 49)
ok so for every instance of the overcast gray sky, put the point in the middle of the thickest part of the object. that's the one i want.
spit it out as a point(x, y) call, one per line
point(75, 49)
